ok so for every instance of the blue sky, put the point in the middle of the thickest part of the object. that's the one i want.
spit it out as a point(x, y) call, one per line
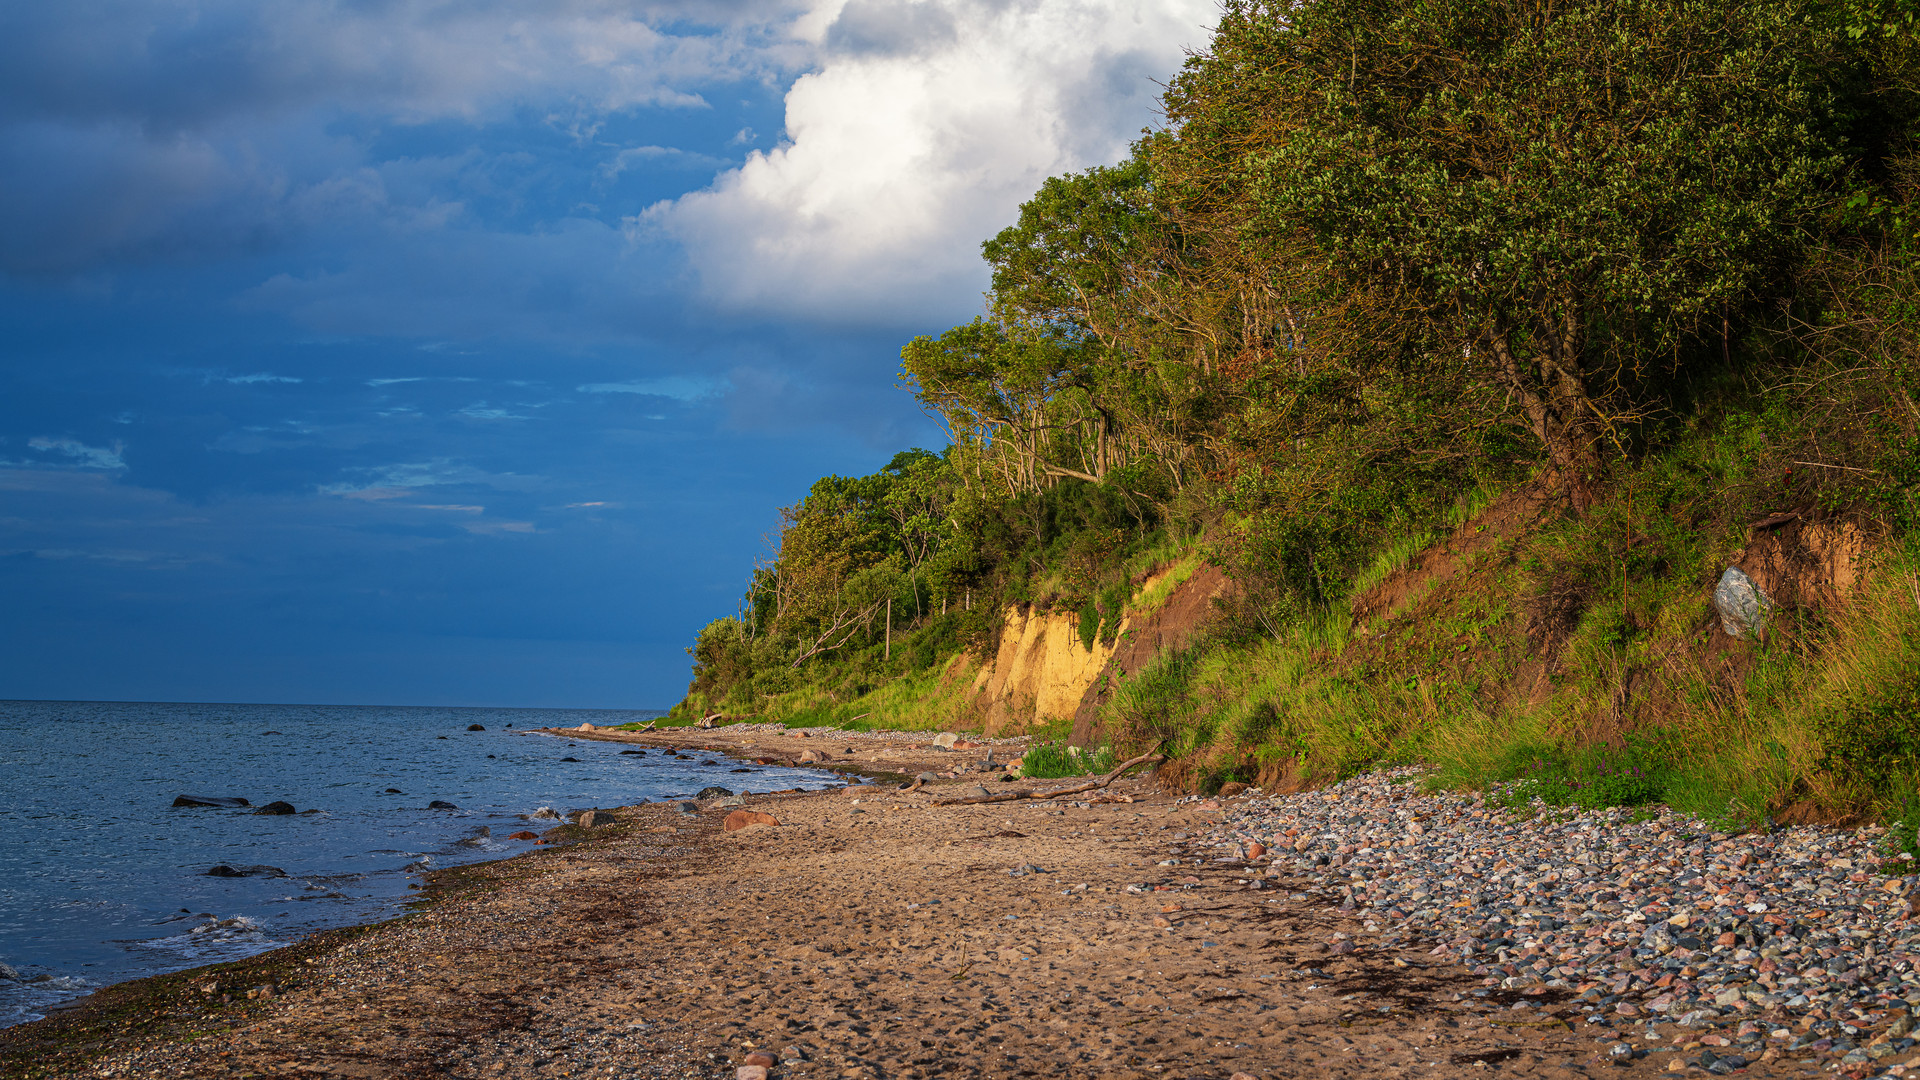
point(410, 351)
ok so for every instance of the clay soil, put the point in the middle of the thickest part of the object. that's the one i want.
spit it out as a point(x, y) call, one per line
point(874, 933)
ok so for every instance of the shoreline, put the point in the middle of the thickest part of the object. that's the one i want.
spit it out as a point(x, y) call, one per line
point(1122, 933)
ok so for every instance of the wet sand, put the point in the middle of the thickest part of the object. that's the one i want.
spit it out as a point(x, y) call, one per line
point(871, 934)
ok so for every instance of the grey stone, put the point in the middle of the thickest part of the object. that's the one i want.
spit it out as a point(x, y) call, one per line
point(441, 804)
point(216, 801)
point(276, 808)
point(686, 807)
point(593, 818)
point(1743, 607)
point(714, 792)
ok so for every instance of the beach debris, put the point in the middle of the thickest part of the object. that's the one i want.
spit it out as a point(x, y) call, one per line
point(223, 870)
point(476, 727)
point(276, 807)
point(743, 819)
point(524, 834)
point(593, 818)
point(441, 804)
point(1152, 756)
point(714, 792)
point(218, 802)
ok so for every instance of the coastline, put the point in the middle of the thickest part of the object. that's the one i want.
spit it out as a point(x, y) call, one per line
point(874, 933)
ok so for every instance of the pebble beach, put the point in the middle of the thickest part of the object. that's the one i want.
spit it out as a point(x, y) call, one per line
point(883, 931)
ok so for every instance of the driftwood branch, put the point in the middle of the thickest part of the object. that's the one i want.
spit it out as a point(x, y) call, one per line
point(1152, 755)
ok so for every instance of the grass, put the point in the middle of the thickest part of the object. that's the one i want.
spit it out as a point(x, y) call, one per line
point(1055, 759)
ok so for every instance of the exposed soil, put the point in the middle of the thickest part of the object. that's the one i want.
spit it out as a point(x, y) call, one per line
point(884, 937)
point(1172, 626)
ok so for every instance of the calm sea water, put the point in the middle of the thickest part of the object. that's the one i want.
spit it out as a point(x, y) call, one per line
point(102, 879)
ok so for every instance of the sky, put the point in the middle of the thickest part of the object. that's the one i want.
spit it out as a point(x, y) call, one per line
point(461, 352)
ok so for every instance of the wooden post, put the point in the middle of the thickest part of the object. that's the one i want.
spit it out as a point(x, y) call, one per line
point(889, 653)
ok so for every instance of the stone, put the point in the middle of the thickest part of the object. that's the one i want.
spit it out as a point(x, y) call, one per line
point(714, 792)
point(750, 1072)
point(545, 813)
point(1256, 850)
point(211, 800)
point(741, 819)
point(808, 757)
point(686, 807)
point(523, 834)
point(760, 1058)
point(584, 727)
point(976, 792)
point(594, 818)
point(638, 753)
point(441, 804)
point(945, 740)
point(1242, 1076)
point(223, 870)
point(476, 727)
point(477, 838)
point(1742, 606)
point(962, 744)
point(927, 777)
point(276, 808)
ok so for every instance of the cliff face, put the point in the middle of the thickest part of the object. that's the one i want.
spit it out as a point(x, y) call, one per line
point(1042, 672)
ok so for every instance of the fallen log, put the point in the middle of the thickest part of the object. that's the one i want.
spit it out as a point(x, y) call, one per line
point(1152, 755)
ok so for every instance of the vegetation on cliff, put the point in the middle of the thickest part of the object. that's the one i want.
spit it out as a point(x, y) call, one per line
point(1473, 341)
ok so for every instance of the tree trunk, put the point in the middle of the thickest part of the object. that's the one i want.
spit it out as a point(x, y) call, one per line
point(1556, 408)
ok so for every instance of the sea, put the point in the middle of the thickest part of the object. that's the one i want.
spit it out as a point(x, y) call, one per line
point(103, 879)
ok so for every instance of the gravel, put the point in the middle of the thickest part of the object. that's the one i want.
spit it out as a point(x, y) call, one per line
point(1788, 943)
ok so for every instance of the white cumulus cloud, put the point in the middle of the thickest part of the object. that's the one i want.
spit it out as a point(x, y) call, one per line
point(924, 126)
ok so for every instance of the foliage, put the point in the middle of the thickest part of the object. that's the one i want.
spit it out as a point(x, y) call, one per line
point(1057, 759)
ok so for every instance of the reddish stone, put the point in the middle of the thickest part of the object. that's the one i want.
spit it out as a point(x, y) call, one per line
point(760, 1058)
point(523, 834)
point(750, 1072)
point(1255, 851)
point(741, 819)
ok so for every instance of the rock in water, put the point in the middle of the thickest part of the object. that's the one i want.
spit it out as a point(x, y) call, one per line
point(223, 870)
point(592, 818)
point(478, 838)
point(441, 804)
point(741, 819)
point(714, 792)
point(476, 727)
point(276, 807)
point(641, 753)
point(545, 813)
point(210, 800)
point(1742, 606)
point(523, 834)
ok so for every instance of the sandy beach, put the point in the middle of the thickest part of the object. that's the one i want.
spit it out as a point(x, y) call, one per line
point(873, 933)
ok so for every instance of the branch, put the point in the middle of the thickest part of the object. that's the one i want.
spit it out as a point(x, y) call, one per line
point(1013, 796)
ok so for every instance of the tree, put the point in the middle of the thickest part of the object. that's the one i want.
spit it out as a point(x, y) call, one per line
point(1565, 191)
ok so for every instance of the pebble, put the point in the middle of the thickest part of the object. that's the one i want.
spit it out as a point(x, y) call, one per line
point(1646, 916)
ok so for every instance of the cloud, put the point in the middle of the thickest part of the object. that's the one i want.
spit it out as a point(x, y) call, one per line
point(678, 387)
point(919, 134)
point(78, 455)
point(263, 377)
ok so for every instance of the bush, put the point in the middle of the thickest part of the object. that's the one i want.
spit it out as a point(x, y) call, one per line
point(1059, 759)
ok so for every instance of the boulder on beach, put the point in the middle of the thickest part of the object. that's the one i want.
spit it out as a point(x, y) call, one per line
point(593, 818)
point(945, 740)
point(476, 727)
point(441, 804)
point(276, 807)
point(223, 870)
point(741, 819)
point(211, 800)
point(714, 792)
point(687, 807)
